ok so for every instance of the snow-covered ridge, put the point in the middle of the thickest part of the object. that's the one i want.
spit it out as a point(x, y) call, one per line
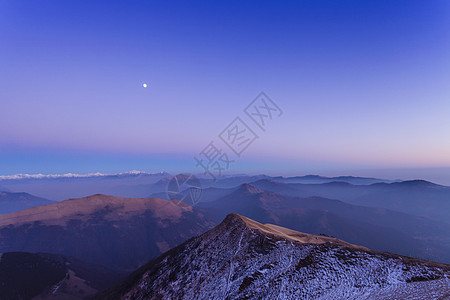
point(243, 259)
point(75, 175)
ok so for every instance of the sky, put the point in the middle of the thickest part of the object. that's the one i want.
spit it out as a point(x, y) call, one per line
point(363, 85)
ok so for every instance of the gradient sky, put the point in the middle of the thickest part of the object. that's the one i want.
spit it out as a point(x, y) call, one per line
point(364, 85)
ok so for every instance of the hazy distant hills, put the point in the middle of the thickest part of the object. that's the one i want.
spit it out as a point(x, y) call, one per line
point(136, 184)
point(415, 197)
point(212, 190)
point(377, 228)
point(12, 202)
point(60, 187)
point(231, 181)
point(121, 233)
point(316, 179)
point(409, 217)
point(243, 259)
point(36, 276)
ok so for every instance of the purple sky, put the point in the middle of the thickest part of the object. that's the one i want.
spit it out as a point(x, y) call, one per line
point(363, 85)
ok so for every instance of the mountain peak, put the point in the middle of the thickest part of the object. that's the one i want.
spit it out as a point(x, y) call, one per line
point(233, 217)
point(237, 219)
point(234, 220)
point(243, 259)
point(246, 187)
point(416, 183)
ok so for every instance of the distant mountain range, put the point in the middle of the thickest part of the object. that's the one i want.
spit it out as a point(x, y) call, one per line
point(243, 259)
point(12, 202)
point(317, 179)
point(75, 175)
point(124, 233)
point(137, 184)
point(377, 228)
point(231, 181)
point(417, 197)
point(121, 233)
point(133, 184)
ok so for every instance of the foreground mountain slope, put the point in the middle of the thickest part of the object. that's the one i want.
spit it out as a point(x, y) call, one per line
point(376, 228)
point(12, 202)
point(121, 233)
point(48, 276)
point(243, 259)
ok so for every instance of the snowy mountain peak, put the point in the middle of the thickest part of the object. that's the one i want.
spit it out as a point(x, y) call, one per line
point(280, 233)
point(243, 259)
point(75, 175)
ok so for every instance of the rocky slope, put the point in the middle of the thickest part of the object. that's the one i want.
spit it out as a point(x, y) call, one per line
point(243, 259)
point(377, 228)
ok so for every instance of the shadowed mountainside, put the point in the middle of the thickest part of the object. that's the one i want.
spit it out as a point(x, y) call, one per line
point(51, 276)
point(121, 233)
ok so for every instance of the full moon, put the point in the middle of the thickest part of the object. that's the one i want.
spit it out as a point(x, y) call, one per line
point(144, 85)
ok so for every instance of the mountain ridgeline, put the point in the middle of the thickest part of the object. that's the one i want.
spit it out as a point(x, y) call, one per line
point(121, 233)
point(377, 228)
point(243, 259)
point(342, 231)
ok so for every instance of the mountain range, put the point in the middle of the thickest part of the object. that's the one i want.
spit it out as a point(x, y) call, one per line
point(133, 184)
point(377, 228)
point(138, 184)
point(120, 233)
point(244, 259)
point(417, 197)
point(124, 233)
point(12, 202)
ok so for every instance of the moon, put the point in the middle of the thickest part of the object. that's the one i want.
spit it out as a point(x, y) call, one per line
point(144, 85)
